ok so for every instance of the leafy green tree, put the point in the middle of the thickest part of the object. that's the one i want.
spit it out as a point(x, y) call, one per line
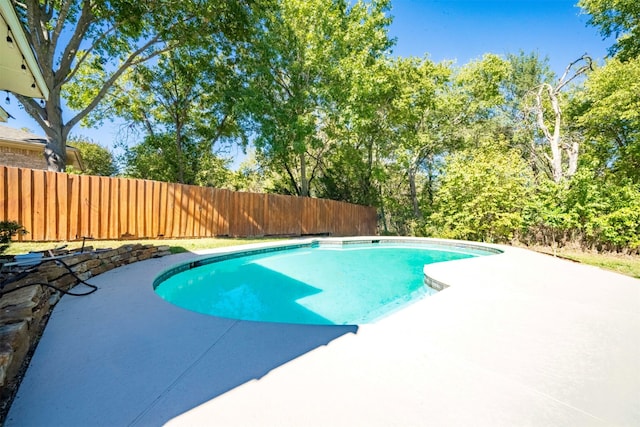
point(481, 194)
point(250, 176)
point(559, 149)
point(359, 134)
point(156, 158)
point(298, 66)
point(91, 44)
point(480, 82)
point(588, 210)
point(417, 119)
point(608, 114)
point(97, 159)
point(435, 110)
point(527, 71)
point(618, 18)
point(184, 103)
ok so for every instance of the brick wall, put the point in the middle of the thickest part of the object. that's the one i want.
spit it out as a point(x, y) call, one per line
point(22, 158)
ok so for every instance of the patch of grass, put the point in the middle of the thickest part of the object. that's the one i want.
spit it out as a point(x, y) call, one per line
point(175, 245)
point(628, 265)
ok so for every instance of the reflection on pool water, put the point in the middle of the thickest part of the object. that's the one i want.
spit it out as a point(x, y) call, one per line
point(319, 284)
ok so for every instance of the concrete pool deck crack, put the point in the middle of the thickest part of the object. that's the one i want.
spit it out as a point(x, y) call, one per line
point(182, 375)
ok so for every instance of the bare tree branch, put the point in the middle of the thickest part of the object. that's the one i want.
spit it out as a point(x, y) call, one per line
point(539, 111)
point(564, 81)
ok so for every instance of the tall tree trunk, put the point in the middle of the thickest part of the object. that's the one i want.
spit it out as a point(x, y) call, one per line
point(179, 156)
point(55, 152)
point(414, 194)
point(49, 118)
point(554, 138)
point(573, 151)
point(304, 183)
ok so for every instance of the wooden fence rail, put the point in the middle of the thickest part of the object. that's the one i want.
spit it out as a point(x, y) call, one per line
point(56, 206)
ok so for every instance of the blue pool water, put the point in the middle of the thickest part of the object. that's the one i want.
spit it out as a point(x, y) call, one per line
point(338, 285)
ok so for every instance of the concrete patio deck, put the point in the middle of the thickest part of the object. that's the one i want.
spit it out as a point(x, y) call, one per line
point(518, 339)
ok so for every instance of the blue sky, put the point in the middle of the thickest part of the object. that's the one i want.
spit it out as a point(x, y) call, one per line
point(460, 30)
point(463, 30)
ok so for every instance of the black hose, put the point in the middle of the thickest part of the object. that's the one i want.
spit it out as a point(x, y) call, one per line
point(25, 273)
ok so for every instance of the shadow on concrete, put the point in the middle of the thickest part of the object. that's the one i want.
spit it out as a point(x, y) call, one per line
point(249, 350)
point(124, 356)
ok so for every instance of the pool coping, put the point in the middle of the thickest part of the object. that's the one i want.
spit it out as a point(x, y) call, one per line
point(517, 339)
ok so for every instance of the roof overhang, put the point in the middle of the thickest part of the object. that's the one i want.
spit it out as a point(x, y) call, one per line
point(19, 70)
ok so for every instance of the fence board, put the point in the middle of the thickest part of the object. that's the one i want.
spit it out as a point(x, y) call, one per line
point(131, 208)
point(105, 206)
point(95, 205)
point(13, 194)
point(84, 209)
point(162, 206)
point(203, 214)
point(39, 207)
point(189, 206)
point(223, 204)
point(26, 200)
point(176, 211)
point(62, 203)
point(146, 208)
point(58, 206)
point(51, 219)
point(154, 209)
point(3, 193)
point(136, 208)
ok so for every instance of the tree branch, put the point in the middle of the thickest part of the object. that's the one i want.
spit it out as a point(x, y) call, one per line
point(588, 66)
point(291, 177)
point(71, 50)
point(131, 60)
point(62, 17)
point(540, 111)
point(32, 10)
point(85, 55)
point(32, 107)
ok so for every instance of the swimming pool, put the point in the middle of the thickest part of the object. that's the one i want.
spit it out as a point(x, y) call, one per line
point(324, 282)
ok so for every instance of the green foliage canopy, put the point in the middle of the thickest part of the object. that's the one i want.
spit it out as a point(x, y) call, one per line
point(608, 114)
point(97, 159)
point(481, 194)
point(617, 18)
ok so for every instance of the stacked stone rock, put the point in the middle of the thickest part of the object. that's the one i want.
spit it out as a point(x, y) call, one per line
point(23, 313)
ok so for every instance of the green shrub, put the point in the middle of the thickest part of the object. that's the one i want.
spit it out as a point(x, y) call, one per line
point(8, 229)
point(481, 194)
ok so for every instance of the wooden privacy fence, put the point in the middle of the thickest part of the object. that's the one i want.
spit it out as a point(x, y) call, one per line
point(56, 206)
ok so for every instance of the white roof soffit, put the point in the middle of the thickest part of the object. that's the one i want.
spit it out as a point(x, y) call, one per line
point(19, 70)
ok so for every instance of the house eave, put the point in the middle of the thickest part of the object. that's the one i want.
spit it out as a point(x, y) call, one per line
point(30, 81)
